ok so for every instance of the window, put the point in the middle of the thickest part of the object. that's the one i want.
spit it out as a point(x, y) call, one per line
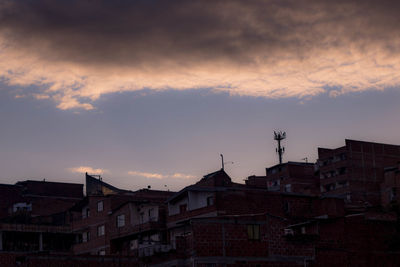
point(253, 231)
point(303, 230)
point(99, 206)
point(141, 217)
point(22, 207)
point(100, 230)
point(210, 201)
point(286, 207)
point(133, 244)
point(288, 188)
point(121, 220)
point(85, 237)
point(152, 217)
point(85, 212)
point(330, 187)
point(276, 183)
point(182, 208)
point(393, 194)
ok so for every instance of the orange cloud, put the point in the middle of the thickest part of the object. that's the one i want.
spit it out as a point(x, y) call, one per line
point(160, 176)
point(77, 51)
point(87, 169)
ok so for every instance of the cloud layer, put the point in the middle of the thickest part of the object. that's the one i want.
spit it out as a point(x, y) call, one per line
point(76, 51)
point(160, 176)
point(87, 169)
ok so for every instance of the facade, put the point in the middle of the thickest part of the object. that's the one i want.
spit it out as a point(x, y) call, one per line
point(116, 221)
point(355, 171)
point(217, 222)
point(34, 218)
point(290, 177)
point(138, 227)
point(390, 187)
point(280, 219)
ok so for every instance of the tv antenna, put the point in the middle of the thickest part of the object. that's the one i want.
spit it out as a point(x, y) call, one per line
point(279, 136)
point(223, 163)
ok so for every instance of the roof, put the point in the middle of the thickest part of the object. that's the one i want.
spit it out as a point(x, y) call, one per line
point(55, 189)
point(215, 181)
point(96, 186)
point(293, 163)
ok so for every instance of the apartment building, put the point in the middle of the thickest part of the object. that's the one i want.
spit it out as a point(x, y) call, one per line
point(355, 171)
point(110, 220)
point(34, 218)
point(290, 177)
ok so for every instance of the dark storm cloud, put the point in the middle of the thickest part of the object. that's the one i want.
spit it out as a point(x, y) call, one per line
point(136, 32)
point(76, 51)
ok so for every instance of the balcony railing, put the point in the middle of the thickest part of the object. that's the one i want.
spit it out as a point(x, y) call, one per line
point(150, 250)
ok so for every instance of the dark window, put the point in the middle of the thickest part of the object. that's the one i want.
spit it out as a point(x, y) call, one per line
point(393, 194)
point(286, 207)
point(120, 220)
point(253, 231)
point(99, 206)
point(183, 208)
point(100, 230)
point(210, 201)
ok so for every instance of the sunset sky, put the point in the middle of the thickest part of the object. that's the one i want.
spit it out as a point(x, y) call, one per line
point(151, 92)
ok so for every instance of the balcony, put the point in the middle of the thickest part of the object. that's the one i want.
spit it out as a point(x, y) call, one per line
point(135, 229)
point(35, 228)
point(150, 250)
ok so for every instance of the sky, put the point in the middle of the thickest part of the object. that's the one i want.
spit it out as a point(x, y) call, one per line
point(152, 92)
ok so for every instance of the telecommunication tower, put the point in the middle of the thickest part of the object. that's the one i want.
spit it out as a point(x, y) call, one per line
point(279, 136)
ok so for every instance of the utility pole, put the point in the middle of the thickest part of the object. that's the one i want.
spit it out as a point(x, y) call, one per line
point(279, 136)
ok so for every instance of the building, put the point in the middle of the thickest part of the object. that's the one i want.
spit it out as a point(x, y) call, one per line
point(138, 227)
point(355, 171)
point(110, 220)
point(290, 177)
point(279, 219)
point(390, 186)
point(217, 222)
point(34, 218)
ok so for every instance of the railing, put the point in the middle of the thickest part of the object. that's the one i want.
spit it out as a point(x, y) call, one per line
point(34, 228)
point(129, 230)
point(150, 250)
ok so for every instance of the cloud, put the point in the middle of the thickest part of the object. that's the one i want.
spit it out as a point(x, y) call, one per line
point(87, 169)
point(181, 175)
point(160, 176)
point(146, 174)
point(41, 96)
point(77, 51)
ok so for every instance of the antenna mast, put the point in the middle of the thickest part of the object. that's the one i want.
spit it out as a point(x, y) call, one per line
point(222, 161)
point(279, 136)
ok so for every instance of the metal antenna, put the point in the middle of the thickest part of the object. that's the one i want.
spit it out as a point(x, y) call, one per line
point(279, 136)
point(222, 161)
point(305, 159)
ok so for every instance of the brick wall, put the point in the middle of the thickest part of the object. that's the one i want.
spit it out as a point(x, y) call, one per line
point(12, 260)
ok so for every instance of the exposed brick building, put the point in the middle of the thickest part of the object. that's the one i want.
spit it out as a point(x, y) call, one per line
point(275, 220)
point(218, 222)
point(355, 171)
point(34, 218)
point(296, 177)
point(110, 220)
point(390, 186)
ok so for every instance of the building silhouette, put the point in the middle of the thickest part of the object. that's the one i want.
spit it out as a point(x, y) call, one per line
point(341, 211)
